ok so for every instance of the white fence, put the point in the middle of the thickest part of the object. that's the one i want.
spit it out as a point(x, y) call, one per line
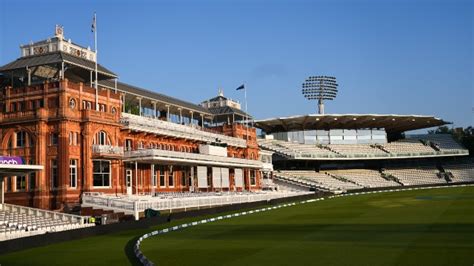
point(45, 213)
point(135, 205)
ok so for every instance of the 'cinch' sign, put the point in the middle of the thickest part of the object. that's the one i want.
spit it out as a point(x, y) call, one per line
point(11, 160)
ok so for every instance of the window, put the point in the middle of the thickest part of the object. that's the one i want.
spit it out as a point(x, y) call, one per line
point(101, 138)
point(162, 176)
point(54, 173)
point(154, 179)
point(12, 107)
point(170, 177)
point(73, 139)
point(253, 180)
point(73, 173)
point(32, 180)
point(54, 138)
point(101, 173)
point(20, 183)
point(128, 144)
point(114, 110)
point(184, 176)
point(103, 108)
point(21, 139)
point(140, 145)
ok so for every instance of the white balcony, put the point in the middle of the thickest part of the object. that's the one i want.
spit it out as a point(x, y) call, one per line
point(107, 150)
point(165, 128)
point(155, 155)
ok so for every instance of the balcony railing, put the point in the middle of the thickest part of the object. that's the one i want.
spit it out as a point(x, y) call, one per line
point(107, 150)
point(196, 158)
point(156, 126)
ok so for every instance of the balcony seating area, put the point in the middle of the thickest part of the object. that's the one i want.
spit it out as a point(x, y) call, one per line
point(18, 221)
point(410, 176)
point(408, 146)
point(165, 128)
point(357, 149)
point(364, 177)
point(319, 179)
point(416, 146)
point(134, 204)
point(460, 172)
point(444, 142)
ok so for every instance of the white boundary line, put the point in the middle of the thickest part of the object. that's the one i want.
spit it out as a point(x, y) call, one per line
point(145, 261)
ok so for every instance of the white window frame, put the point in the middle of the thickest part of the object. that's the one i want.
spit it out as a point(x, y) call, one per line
point(110, 173)
point(54, 169)
point(73, 173)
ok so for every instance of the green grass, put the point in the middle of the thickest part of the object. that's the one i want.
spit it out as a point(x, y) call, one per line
point(423, 227)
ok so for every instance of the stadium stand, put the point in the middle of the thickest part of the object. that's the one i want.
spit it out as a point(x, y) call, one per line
point(364, 177)
point(408, 146)
point(460, 172)
point(416, 146)
point(442, 142)
point(319, 179)
point(409, 176)
point(18, 221)
point(356, 149)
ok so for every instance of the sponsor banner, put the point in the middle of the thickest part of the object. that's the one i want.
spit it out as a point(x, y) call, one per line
point(11, 160)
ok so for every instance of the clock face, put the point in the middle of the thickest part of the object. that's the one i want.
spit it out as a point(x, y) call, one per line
point(72, 103)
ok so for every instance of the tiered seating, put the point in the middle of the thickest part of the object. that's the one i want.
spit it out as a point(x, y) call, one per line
point(460, 172)
point(357, 149)
point(322, 179)
point(408, 146)
point(416, 176)
point(17, 221)
point(156, 126)
point(445, 142)
point(292, 149)
point(276, 145)
point(364, 177)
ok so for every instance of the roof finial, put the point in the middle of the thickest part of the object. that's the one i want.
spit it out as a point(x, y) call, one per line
point(220, 92)
point(59, 31)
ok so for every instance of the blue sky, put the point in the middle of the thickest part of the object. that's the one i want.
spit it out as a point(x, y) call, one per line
point(404, 57)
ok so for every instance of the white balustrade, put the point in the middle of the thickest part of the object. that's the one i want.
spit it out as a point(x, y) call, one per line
point(160, 127)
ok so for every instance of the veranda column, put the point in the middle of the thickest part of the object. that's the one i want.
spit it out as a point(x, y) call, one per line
point(152, 183)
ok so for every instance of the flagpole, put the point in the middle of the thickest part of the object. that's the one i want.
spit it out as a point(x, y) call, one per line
point(96, 74)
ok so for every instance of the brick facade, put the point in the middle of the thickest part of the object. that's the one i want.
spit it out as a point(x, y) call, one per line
point(57, 126)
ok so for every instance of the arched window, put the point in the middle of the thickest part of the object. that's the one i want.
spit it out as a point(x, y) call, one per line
point(101, 138)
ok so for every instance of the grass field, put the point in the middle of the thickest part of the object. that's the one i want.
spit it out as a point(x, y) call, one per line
point(423, 227)
point(427, 227)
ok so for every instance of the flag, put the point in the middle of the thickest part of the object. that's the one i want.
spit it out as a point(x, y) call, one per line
point(241, 87)
point(93, 24)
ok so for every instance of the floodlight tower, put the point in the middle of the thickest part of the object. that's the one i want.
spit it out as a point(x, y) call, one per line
point(320, 88)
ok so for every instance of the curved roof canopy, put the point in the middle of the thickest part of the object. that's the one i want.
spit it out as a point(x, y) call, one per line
point(391, 122)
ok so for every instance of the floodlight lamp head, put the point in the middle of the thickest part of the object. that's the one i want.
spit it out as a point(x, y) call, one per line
point(320, 88)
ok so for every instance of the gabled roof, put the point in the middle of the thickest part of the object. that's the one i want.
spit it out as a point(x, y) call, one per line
point(217, 98)
point(228, 110)
point(127, 88)
point(53, 58)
